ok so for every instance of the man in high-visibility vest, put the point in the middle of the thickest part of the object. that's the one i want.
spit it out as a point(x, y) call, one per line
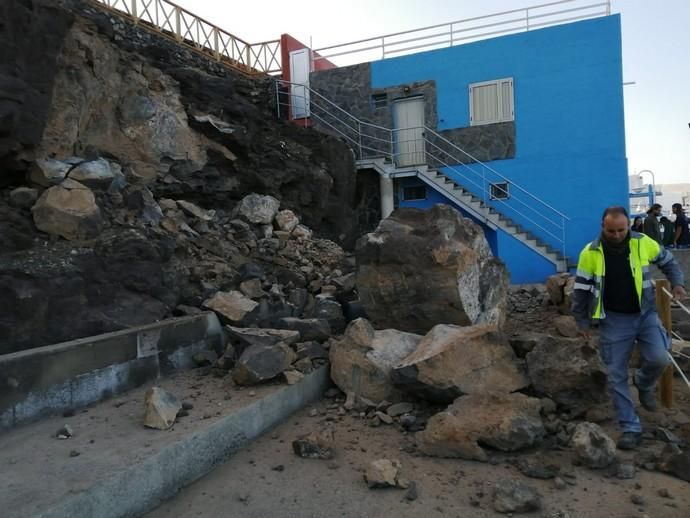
point(613, 288)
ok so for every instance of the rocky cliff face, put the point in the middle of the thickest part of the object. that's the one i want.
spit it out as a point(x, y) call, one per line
point(104, 119)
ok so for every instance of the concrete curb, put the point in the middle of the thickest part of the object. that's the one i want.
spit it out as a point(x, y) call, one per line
point(145, 485)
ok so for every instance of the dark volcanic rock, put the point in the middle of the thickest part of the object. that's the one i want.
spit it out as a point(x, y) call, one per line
point(451, 360)
point(568, 371)
point(462, 283)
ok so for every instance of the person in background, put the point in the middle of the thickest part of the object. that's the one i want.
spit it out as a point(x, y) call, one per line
point(669, 231)
point(613, 287)
point(638, 224)
point(681, 237)
point(651, 223)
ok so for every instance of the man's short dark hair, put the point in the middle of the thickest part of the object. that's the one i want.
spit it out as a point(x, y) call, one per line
point(654, 207)
point(614, 210)
point(677, 206)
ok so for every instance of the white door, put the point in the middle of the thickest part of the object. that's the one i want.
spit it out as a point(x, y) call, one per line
point(299, 77)
point(408, 132)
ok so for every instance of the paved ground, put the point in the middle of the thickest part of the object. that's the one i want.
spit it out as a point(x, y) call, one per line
point(268, 479)
point(108, 436)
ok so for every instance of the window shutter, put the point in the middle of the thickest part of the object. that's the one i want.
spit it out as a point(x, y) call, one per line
point(506, 100)
point(491, 101)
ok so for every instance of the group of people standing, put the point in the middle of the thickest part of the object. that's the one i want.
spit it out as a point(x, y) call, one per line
point(670, 234)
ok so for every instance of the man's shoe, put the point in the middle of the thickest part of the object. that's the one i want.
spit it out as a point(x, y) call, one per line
point(647, 397)
point(629, 440)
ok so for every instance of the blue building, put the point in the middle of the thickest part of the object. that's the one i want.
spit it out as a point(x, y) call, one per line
point(523, 133)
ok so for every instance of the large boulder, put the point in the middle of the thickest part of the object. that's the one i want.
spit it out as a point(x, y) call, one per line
point(420, 268)
point(452, 360)
point(248, 336)
point(258, 209)
point(68, 210)
point(96, 174)
point(363, 360)
point(507, 422)
point(261, 363)
point(232, 307)
point(567, 370)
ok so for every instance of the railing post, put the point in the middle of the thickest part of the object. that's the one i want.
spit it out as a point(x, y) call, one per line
point(484, 186)
point(563, 239)
point(134, 10)
point(216, 44)
point(383, 48)
point(663, 307)
point(277, 83)
point(248, 57)
point(451, 35)
point(359, 131)
point(527, 19)
point(178, 24)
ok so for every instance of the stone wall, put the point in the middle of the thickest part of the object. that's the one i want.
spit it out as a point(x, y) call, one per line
point(350, 89)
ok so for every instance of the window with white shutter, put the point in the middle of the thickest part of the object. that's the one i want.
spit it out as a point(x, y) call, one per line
point(491, 102)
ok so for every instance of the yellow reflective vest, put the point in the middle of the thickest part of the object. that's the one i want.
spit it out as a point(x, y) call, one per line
point(590, 279)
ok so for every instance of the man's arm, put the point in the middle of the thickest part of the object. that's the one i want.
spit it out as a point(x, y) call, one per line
point(583, 292)
point(670, 268)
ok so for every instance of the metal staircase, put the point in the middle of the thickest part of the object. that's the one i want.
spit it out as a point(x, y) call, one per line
point(469, 183)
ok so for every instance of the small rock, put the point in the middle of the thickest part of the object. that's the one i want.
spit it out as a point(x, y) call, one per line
point(559, 483)
point(408, 421)
point(537, 468)
point(637, 499)
point(315, 445)
point(292, 377)
point(23, 197)
point(65, 432)
point(74, 453)
point(313, 412)
point(279, 467)
point(161, 408)
point(566, 326)
point(626, 471)
point(411, 495)
point(332, 393)
point(593, 447)
point(663, 493)
point(384, 473)
point(513, 497)
point(186, 405)
point(399, 409)
point(69, 412)
point(385, 418)
point(204, 358)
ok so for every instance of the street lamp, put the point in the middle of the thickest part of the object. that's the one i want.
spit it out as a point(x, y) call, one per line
point(653, 184)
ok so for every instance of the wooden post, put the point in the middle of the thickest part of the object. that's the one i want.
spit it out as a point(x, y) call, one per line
point(663, 307)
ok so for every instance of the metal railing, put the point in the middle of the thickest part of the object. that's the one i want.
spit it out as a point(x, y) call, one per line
point(463, 31)
point(411, 147)
point(188, 29)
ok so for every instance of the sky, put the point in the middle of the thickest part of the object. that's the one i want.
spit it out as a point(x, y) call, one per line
point(656, 54)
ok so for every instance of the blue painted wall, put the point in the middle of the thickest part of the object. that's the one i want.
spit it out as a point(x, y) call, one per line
point(525, 266)
point(570, 136)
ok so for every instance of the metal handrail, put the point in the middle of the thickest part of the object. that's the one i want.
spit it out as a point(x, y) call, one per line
point(188, 29)
point(535, 198)
point(452, 35)
point(353, 130)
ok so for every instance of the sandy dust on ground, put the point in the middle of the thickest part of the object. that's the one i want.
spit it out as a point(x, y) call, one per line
point(268, 480)
point(39, 469)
